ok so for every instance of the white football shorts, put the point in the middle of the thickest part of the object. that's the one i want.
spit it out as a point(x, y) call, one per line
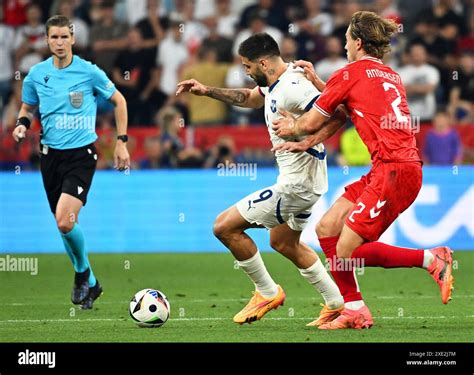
point(275, 205)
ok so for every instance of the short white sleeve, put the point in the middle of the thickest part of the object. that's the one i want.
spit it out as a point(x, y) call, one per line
point(300, 95)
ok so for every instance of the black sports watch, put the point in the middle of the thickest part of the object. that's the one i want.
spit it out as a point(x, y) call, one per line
point(123, 138)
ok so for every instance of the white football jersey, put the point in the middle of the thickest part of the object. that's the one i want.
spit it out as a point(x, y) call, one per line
point(295, 94)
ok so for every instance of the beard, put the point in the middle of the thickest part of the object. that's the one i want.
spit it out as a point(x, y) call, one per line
point(260, 79)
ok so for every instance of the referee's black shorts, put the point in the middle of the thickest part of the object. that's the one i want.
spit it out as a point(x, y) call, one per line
point(67, 171)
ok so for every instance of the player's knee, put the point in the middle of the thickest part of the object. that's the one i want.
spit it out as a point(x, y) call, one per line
point(324, 228)
point(219, 229)
point(64, 224)
point(283, 247)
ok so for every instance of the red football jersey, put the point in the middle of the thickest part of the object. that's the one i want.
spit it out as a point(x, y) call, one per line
point(376, 99)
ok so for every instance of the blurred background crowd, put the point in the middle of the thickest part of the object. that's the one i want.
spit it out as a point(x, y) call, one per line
point(147, 46)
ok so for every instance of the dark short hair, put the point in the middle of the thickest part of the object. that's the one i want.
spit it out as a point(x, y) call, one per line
point(259, 45)
point(60, 21)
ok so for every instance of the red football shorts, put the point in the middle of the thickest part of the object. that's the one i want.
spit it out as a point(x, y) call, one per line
point(380, 196)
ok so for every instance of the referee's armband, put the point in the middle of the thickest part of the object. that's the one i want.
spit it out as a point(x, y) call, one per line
point(25, 121)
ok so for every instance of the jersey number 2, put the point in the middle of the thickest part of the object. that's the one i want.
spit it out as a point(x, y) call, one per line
point(398, 114)
point(362, 206)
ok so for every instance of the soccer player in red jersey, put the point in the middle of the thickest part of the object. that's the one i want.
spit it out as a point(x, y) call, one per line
point(373, 95)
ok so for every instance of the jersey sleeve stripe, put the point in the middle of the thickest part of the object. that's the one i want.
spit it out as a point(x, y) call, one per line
point(318, 108)
point(310, 104)
point(260, 91)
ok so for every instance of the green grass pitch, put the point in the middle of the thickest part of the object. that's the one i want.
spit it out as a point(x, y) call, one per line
point(205, 291)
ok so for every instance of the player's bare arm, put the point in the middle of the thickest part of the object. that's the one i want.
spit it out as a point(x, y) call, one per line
point(121, 155)
point(311, 122)
point(25, 116)
point(248, 98)
point(330, 127)
point(310, 74)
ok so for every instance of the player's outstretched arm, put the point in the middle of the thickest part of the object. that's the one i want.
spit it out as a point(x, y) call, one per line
point(121, 155)
point(25, 116)
point(249, 98)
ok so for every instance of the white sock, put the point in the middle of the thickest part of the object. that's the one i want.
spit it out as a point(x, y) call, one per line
point(255, 269)
point(354, 305)
point(318, 277)
point(428, 258)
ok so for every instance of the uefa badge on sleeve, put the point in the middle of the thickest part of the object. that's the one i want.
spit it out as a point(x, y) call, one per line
point(76, 98)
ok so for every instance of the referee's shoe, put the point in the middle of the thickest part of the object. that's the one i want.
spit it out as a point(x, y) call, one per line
point(80, 289)
point(94, 293)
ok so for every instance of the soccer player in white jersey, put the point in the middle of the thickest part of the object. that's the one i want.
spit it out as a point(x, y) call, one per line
point(285, 207)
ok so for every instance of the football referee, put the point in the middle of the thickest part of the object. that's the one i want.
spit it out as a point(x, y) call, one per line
point(65, 88)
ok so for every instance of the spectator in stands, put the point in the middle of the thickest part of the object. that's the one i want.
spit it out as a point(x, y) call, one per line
point(15, 12)
point(226, 20)
point(136, 10)
point(205, 111)
point(7, 35)
point(90, 11)
point(442, 143)
point(222, 45)
point(153, 154)
point(312, 20)
point(388, 9)
point(444, 12)
point(342, 13)
point(169, 120)
point(420, 80)
point(353, 151)
point(172, 55)
point(136, 76)
point(174, 153)
point(152, 28)
point(257, 24)
point(461, 98)
point(333, 60)
point(107, 37)
point(29, 41)
point(288, 49)
point(194, 31)
point(272, 14)
point(427, 34)
point(309, 26)
point(223, 152)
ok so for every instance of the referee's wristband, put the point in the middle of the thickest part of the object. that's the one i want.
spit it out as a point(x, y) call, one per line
point(25, 121)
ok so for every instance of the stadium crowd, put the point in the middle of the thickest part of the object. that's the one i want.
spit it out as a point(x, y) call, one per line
point(147, 46)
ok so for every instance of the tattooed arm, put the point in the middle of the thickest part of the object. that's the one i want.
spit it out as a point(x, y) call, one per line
point(249, 98)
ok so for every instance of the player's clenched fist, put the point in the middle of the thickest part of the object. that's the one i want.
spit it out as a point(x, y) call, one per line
point(192, 86)
point(19, 133)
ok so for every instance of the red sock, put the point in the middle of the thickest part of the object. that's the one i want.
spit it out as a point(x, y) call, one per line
point(345, 280)
point(378, 254)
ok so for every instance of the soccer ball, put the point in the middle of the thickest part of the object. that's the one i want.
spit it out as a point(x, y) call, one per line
point(149, 308)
